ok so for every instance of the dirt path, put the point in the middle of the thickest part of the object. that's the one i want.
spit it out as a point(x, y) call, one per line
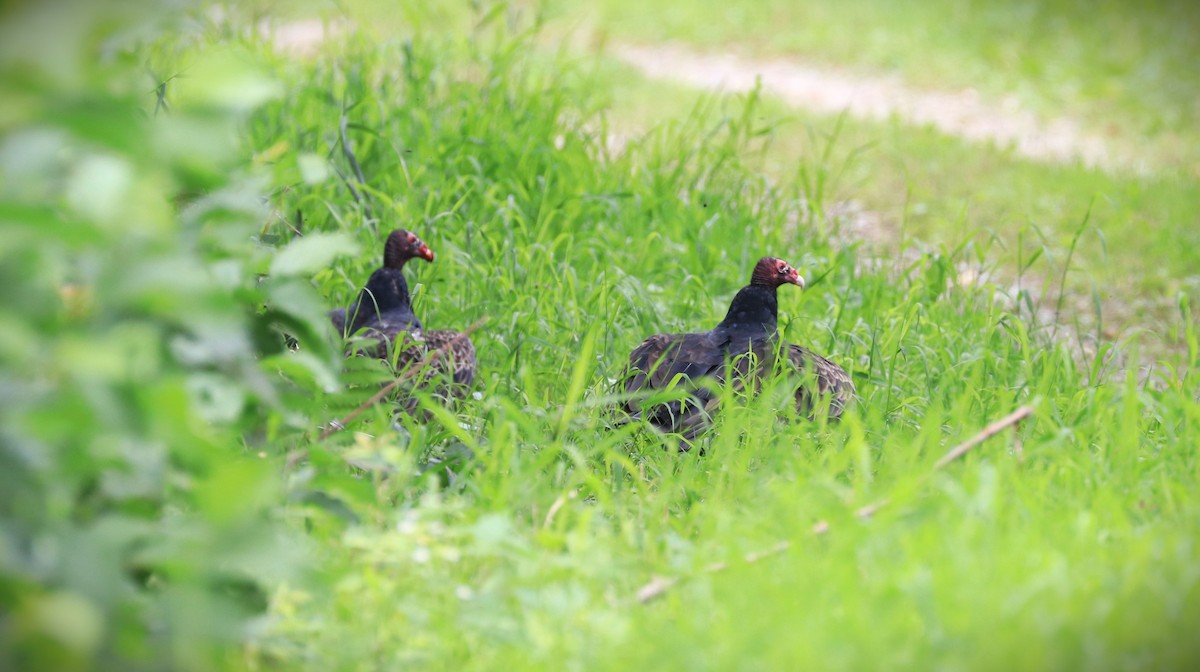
point(834, 90)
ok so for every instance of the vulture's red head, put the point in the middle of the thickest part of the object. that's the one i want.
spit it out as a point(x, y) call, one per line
point(404, 245)
point(772, 272)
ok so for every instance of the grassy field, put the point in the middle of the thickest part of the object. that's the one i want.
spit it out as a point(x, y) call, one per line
point(1119, 243)
point(520, 528)
point(1126, 240)
point(1128, 75)
point(1073, 549)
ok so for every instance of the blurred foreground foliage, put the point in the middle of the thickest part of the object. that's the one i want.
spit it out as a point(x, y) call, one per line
point(140, 341)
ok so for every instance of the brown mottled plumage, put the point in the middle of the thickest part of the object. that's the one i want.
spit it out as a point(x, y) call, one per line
point(383, 312)
point(747, 341)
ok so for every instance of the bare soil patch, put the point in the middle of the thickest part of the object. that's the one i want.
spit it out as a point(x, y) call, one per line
point(962, 113)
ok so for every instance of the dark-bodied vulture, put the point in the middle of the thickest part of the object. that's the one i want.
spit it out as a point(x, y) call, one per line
point(383, 311)
point(746, 343)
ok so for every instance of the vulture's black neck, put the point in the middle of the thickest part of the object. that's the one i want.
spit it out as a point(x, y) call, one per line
point(385, 295)
point(752, 314)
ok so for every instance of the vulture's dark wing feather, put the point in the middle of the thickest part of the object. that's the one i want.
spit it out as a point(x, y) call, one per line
point(458, 357)
point(338, 317)
point(411, 347)
point(822, 378)
point(662, 358)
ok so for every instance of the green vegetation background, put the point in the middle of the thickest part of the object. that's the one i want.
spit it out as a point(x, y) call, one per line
point(175, 199)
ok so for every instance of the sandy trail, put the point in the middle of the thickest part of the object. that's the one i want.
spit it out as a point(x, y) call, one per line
point(834, 90)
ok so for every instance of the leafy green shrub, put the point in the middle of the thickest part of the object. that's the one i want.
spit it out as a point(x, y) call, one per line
point(140, 364)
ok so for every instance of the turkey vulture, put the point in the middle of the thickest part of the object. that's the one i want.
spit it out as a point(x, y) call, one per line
point(383, 311)
point(745, 340)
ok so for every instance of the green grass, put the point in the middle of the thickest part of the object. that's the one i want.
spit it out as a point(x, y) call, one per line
point(157, 426)
point(1134, 237)
point(1075, 551)
point(1121, 245)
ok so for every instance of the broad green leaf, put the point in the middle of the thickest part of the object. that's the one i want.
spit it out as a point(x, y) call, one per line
point(68, 618)
point(312, 252)
point(226, 79)
point(313, 168)
point(100, 186)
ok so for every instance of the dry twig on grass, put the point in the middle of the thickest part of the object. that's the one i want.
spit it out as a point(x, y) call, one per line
point(408, 374)
point(659, 585)
point(986, 433)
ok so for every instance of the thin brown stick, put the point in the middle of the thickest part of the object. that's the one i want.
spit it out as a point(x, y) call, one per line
point(554, 507)
point(659, 585)
point(822, 526)
point(870, 509)
point(429, 359)
point(296, 456)
point(984, 434)
point(766, 553)
point(656, 588)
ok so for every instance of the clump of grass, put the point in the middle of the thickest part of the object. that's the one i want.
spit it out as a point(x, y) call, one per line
point(901, 190)
point(1072, 548)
